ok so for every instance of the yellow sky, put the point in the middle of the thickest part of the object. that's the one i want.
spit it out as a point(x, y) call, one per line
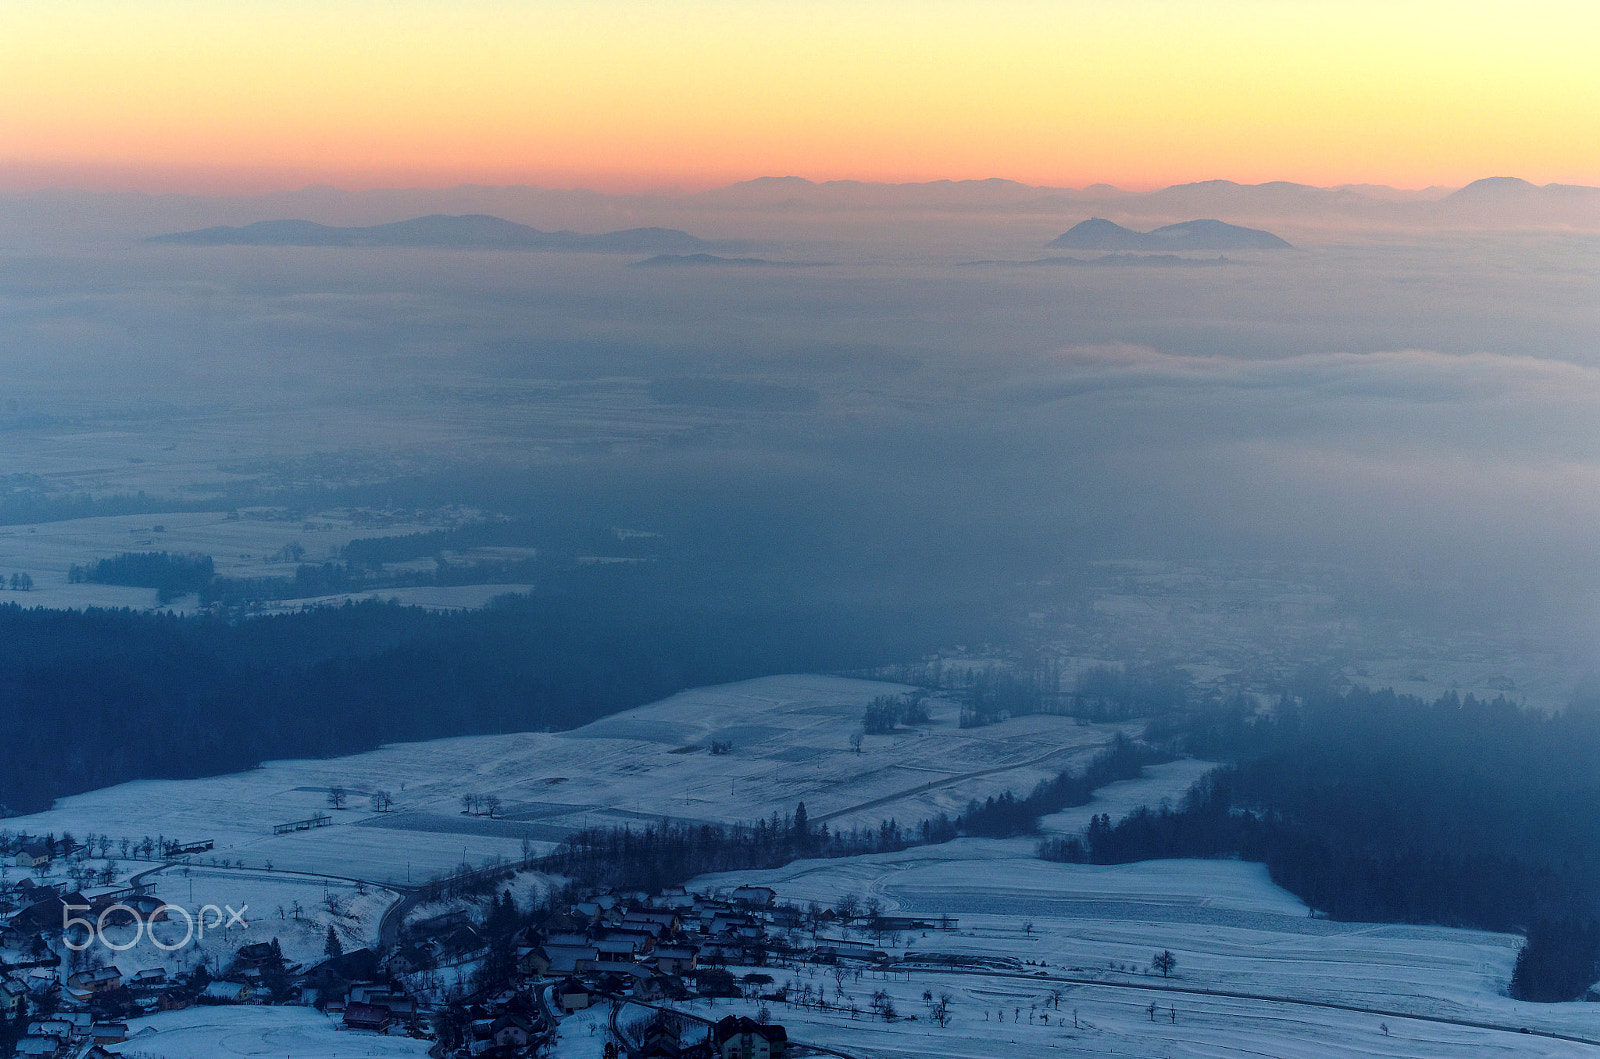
point(186, 93)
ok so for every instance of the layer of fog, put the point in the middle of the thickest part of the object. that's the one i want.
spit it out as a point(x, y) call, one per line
point(1421, 405)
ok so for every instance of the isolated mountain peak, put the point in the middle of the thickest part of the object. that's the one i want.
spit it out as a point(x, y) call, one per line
point(1098, 233)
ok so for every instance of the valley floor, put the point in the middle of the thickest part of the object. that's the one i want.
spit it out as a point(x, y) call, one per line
point(1044, 957)
point(1087, 934)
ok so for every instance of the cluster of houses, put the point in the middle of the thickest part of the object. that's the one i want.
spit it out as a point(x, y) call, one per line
point(73, 1012)
point(375, 1007)
point(78, 1004)
point(610, 946)
point(70, 1033)
point(82, 1014)
point(515, 1023)
point(33, 913)
point(649, 947)
point(507, 1023)
point(734, 1037)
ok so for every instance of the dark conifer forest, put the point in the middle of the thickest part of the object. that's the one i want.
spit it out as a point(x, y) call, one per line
point(90, 699)
point(1370, 805)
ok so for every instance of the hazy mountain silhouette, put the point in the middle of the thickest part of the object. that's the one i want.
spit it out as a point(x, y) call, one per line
point(1275, 198)
point(1098, 234)
point(471, 232)
point(1493, 189)
point(474, 214)
point(1516, 191)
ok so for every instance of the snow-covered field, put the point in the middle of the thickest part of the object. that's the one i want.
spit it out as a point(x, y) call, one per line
point(295, 909)
point(239, 547)
point(791, 743)
point(1230, 928)
point(1164, 782)
point(583, 1035)
point(1027, 930)
point(218, 1032)
point(214, 911)
point(1115, 1022)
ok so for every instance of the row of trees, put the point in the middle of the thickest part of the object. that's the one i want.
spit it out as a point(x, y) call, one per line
point(481, 805)
point(669, 854)
point(173, 574)
point(330, 578)
point(1006, 815)
point(885, 713)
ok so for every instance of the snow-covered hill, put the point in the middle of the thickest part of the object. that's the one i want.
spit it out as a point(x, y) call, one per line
point(790, 742)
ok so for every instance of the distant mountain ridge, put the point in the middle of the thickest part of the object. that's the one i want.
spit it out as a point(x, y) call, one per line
point(442, 231)
point(1517, 190)
point(1099, 234)
point(1496, 203)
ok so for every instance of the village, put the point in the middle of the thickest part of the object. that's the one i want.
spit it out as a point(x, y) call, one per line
point(294, 910)
point(488, 979)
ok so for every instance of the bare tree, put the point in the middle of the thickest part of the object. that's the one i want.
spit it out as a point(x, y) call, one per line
point(1164, 962)
point(938, 1009)
point(336, 797)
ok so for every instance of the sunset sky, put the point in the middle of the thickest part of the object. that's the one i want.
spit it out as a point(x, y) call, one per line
point(252, 94)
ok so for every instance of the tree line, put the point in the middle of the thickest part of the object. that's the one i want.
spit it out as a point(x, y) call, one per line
point(1370, 805)
point(671, 853)
point(172, 573)
point(98, 697)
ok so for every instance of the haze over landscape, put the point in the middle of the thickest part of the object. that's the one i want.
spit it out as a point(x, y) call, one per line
point(1073, 521)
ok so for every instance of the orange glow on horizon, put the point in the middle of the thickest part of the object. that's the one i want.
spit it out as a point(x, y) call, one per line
point(167, 95)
